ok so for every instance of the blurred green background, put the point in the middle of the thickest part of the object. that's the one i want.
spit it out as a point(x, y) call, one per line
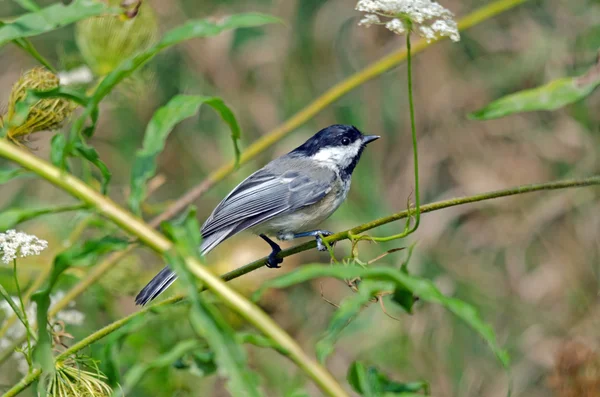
point(530, 263)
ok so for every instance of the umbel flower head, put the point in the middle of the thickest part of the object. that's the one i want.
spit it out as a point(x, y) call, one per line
point(425, 17)
point(45, 114)
point(15, 244)
point(77, 376)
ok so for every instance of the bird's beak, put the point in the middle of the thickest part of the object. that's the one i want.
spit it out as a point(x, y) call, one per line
point(370, 138)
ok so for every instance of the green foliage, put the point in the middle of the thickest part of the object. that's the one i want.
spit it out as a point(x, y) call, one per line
point(206, 319)
point(370, 382)
point(80, 254)
point(135, 374)
point(9, 174)
point(420, 287)
point(11, 217)
point(551, 96)
point(162, 123)
point(90, 154)
point(50, 18)
point(349, 308)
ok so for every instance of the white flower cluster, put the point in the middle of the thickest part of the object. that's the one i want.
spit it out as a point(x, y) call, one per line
point(16, 331)
point(400, 16)
point(15, 244)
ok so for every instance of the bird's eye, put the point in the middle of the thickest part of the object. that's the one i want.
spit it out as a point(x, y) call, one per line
point(345, 141)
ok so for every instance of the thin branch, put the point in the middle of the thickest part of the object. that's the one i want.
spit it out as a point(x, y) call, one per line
point(155, 240)
point(592, 181)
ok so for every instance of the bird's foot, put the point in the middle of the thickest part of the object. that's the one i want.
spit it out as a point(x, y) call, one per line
point(320, 244)
point(317, 235)
point(273, 261)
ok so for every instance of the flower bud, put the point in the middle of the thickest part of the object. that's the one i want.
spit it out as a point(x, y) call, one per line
point(45, 114)
point(105, 41)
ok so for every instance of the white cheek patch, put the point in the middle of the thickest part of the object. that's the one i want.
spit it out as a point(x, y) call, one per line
point(341, 156)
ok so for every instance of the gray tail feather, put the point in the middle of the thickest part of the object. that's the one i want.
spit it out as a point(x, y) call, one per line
point(156, 286)
point(166, 276)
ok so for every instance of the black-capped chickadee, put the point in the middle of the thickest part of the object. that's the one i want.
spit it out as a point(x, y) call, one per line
point(287, 198)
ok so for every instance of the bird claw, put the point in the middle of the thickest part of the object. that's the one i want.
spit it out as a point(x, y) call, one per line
point(320, 244)
point(273, 261)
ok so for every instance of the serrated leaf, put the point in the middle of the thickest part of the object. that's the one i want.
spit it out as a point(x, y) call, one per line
point(162, 123)
point(50, 18)
point(420, 287)
point(348, 309)
point(551, 96)
point(210, 324)
point(369, 381)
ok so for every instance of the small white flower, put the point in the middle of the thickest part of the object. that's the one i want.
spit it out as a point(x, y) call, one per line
point(396, 26)
point(15, 244)
point(405, 14)
point(370, 19)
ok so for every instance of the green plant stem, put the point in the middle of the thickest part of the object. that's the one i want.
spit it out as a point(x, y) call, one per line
point(28, 47)
point(101, 333)
point(327, 98)
point(20, 315)
point(407, 229)
point(330, 96)
point(151, 238)
point(23, 311)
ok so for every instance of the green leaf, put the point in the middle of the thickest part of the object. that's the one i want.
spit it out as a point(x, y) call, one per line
point(162, 123)
point(50, 18)
point(58, 146)
point(552, 96)
point(199, 362)
point(91, 155)
point(348, 309)
point(208, 323)
point(29, 5)
point(11, 217)
point(420, 287)
point(185, 231)
point(137, 372)
point(370, 382)
point(71, 94)
point(9, 174)
point(260, 341)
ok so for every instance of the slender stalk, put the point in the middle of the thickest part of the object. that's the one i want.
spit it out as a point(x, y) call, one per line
point(151, 238)
point(21, 315)
point(23, 311)
point(523, 189)
point(407, 229)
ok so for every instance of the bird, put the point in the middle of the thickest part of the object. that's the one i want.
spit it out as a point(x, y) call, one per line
point(287, 198)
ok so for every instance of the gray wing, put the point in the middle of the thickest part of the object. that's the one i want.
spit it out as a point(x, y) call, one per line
point(263, 195)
